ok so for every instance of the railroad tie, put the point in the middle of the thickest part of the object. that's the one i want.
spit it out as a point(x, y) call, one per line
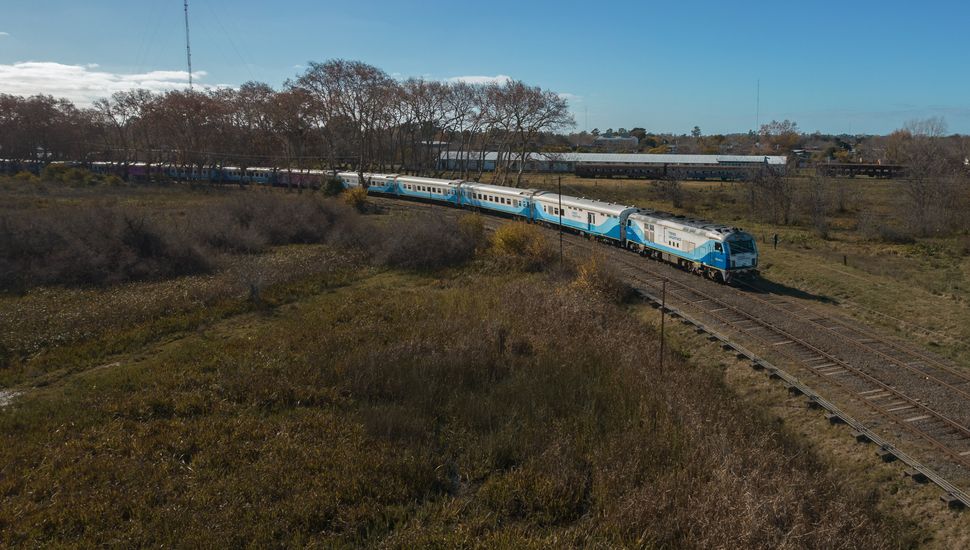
point(879, 395)
point(917, 418)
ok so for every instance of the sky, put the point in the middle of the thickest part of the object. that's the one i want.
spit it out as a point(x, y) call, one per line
point(848, 67)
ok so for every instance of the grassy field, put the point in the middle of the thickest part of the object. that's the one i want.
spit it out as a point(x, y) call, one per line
point(368, 395)
point(918, 289)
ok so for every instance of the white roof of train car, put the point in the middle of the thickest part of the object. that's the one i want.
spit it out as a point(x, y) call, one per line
point(694, 225)
point(582, 202)
point(497, 189)
point(427, 181)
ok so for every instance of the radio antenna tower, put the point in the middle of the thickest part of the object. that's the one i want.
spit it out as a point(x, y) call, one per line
point(757, 109)
point(188, 47)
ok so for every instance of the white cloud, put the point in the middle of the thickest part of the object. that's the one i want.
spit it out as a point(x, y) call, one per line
point(2, 34)
point(497, 79)
point(81, 83)
point(570, 97)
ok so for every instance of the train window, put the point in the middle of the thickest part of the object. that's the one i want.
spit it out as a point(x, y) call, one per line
point(718, 247)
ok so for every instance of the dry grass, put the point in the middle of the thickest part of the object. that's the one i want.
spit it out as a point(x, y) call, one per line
point(442, 405)
point(405, 411)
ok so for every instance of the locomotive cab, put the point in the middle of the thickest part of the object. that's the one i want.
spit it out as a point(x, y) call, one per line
point(742, 253)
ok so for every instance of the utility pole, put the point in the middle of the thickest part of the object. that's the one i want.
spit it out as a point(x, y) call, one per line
point(560, 222)
point(663, 318)
point(188, 47)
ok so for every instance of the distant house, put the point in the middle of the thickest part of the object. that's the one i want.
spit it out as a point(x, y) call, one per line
point(615, 143)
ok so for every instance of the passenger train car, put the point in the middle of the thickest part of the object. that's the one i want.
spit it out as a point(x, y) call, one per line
point(600, 219)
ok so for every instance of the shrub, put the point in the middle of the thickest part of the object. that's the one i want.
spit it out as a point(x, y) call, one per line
point(256, 220)
point(599, 277)
point(522, 244)
point(356, 198)
point(473, 227)
point(875, 229)
point(27, 177)
point(101, 246)
point(93, 247)
point(332, 187)
point(426, 243)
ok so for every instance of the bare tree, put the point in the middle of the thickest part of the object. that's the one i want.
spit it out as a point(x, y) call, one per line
point(779, 137)
point(818, 204)
point(930, 174)
point(357, 92)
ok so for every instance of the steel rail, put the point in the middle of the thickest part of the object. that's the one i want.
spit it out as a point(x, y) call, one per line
point(881, 410)
point(912, 352)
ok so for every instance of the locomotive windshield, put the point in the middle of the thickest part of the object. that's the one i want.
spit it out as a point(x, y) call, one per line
point(742, 246)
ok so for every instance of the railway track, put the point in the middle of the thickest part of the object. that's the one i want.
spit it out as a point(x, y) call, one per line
point(905, 395)
point(905, 356)
point(939, 429)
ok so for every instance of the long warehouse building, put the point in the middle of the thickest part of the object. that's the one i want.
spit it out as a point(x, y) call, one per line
point(621, 164)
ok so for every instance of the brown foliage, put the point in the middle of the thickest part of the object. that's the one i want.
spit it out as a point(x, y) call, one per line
point(103, 245)
point(522, 245)
point(427, 243)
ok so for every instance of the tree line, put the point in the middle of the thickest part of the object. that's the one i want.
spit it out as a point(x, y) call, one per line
point(336, 114)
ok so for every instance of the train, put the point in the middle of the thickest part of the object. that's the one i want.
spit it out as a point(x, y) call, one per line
point(719, 252)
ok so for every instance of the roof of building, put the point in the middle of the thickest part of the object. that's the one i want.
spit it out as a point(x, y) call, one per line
point(616, 138)
point(624, 158)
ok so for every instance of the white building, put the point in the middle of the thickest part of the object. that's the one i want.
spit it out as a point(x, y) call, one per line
point(567, 162)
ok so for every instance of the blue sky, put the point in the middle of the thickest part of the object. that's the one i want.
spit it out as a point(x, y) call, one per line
point(847, 67)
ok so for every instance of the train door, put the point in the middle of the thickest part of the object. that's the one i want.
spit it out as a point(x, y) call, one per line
point(590, 220)
point(718, 258)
